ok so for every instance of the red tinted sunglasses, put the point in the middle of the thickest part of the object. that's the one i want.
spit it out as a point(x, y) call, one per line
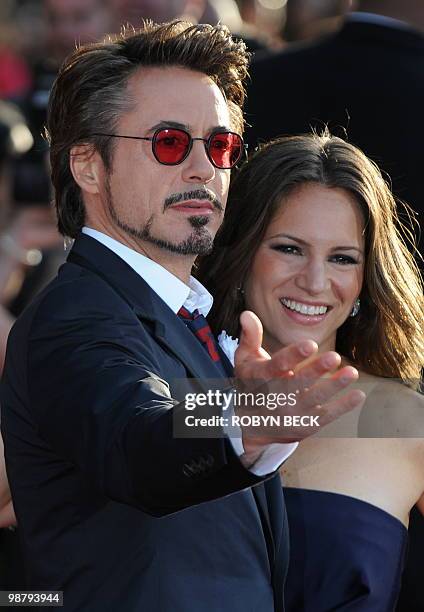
point(171, 146)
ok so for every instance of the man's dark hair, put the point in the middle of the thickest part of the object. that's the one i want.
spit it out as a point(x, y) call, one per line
point(90, 93)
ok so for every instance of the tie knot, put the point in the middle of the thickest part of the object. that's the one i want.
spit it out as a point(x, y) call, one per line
point(198, 324)
point(187, 315)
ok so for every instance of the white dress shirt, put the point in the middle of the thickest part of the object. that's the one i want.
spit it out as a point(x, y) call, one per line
point(193, 296)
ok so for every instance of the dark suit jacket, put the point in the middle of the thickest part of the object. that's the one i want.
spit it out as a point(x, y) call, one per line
point(368, 80)
point(109, 503)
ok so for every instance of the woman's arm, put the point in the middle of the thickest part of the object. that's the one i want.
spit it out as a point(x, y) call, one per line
point(420, 502)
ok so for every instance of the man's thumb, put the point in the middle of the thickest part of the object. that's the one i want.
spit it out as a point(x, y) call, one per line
point(251, 334)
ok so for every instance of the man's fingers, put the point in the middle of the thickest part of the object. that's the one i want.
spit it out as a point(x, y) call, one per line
point(250, 345)
point(324, 389)
point(307, 374)
point(282, 362)
point(326, 413)
point(337, 407)
point(288, 358)
point(251, 330)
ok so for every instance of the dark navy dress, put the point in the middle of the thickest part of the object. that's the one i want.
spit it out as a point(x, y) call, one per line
point(346, 554)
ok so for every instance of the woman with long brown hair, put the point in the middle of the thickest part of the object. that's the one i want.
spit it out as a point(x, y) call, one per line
point(313, 245)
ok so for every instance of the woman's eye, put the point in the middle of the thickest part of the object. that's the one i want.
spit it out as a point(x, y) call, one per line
point(343, 259)
point(290, 249)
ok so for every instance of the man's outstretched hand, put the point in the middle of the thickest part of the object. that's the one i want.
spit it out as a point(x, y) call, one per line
point(317, 378)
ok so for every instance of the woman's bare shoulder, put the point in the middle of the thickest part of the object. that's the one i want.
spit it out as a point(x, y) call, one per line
point(392, 409)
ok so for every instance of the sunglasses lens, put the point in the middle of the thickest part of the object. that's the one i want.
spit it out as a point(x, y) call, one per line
point(170, 146)
point(225, 149)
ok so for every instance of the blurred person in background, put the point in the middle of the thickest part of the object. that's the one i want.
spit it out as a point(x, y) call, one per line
point(66, 23)
point(195, 11)
point(133, 11)
point(256, 37)
point(70, 23)
point(284, 21)
point(15, 252)
point(28, 234)
point(15, 138)
point(310, 19)
point(247, 9)
point(15, 77)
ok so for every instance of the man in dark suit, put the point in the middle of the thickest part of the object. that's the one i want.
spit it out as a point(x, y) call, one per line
point(109, 499)
point(366, 82)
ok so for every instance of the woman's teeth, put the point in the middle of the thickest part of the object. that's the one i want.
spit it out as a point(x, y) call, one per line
point(304, 308)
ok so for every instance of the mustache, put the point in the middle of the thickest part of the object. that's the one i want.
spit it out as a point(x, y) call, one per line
point(195, 194)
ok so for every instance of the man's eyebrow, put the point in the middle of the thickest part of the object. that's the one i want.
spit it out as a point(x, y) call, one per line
point(182, 126)
point(220, 128)
point(169, 124)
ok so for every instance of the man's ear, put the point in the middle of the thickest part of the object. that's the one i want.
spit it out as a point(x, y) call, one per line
point(86, 166)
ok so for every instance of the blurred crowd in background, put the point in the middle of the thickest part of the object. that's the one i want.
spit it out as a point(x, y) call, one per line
point(36, 35)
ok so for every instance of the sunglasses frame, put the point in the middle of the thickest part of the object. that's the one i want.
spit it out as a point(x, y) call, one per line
point(206, 141)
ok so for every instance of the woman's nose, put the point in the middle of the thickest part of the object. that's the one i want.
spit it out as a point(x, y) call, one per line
point(314, 277)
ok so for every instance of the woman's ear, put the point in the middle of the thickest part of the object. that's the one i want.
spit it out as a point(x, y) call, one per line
point(86, 164)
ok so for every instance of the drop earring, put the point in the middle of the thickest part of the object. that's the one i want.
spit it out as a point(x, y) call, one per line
point(67, 243)
point(356, 307)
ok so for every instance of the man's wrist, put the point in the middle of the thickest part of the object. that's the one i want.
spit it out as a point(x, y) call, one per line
point(248, 460)
point(251, 454)
point(266, 457)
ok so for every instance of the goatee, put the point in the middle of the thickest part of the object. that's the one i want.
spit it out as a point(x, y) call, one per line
point(199, 242)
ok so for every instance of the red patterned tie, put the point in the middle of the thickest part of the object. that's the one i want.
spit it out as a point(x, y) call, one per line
point(197, 323)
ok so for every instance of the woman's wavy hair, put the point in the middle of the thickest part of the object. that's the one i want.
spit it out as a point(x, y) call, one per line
point(386, 338)
point(90, 93)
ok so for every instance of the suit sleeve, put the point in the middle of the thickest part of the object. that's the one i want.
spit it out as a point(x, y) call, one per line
point(98, 399)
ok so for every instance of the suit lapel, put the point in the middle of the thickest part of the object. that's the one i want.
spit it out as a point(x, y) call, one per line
point(165, 325)
point(173, 334)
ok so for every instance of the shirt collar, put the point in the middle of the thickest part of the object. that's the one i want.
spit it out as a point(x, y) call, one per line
point(168, 287)
point(363, 17)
